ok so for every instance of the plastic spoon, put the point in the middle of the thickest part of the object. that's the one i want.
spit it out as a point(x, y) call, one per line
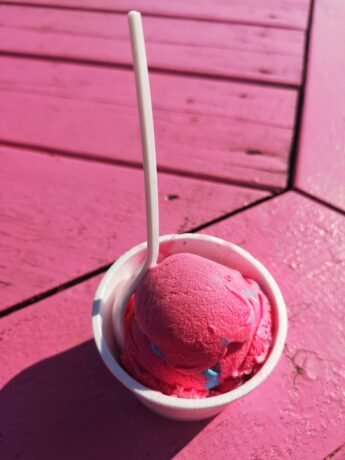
point(150, 169)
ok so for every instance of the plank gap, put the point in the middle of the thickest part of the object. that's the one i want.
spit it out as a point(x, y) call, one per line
point(292, 164)
point(153, 69)
point(93, 9)
point(319, 200)
point(44, 150)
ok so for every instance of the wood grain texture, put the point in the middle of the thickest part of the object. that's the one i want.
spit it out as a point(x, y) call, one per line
point(230, 131)
point(237, 51)
point(55, 386)
point(63, 217)
point(281, 13)
point(321, 157)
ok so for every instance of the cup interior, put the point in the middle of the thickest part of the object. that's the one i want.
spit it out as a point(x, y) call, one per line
point(118, 278)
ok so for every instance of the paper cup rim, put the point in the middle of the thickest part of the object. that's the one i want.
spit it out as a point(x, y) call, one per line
point(159, 399)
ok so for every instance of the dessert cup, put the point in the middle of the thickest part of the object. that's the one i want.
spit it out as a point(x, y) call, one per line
point(119, 277)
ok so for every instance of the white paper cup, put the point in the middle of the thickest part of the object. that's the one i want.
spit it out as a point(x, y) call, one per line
point(116, 279)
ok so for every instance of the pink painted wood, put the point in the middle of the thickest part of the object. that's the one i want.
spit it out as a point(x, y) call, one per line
point(290, 14)
point(321, 161)
point(63, 217)
point(55, 386)
point(230, 131)
point(239, 51)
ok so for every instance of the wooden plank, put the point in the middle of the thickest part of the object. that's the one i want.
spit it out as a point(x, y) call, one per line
point(55, 385)
point(321, 158)
point(292, 14)
point(237, 51)
point(231, 131)
point(63, 217)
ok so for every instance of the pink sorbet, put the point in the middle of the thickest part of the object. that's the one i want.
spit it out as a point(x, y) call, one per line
point(196, 328)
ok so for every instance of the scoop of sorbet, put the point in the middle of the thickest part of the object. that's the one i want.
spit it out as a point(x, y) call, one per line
point(195, 328)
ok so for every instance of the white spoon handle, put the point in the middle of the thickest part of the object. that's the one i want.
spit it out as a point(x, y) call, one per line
point(150, 172)
point(147, 136)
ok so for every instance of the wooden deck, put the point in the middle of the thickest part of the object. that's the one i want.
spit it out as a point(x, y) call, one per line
point(250, 120)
